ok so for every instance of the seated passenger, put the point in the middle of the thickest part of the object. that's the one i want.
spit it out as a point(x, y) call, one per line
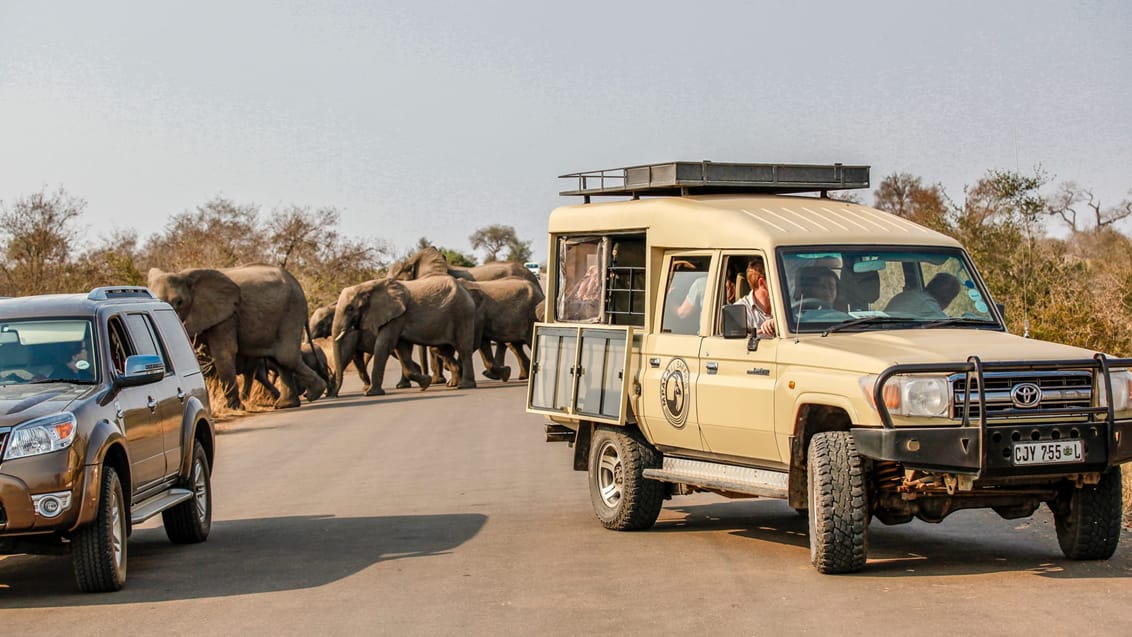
point(929, 302)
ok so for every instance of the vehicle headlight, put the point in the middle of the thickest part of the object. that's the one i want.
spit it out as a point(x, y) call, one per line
point(42, 435)
point(1121, 381)
point(911, 395)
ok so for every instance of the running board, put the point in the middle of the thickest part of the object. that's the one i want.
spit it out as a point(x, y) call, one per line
point(146, 509)
point(711, 475)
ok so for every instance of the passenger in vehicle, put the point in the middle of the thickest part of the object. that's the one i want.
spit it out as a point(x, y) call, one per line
point(759, 319)
point(819, 283)
point(929, 302)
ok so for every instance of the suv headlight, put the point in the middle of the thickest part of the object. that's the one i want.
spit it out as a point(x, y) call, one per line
point(1121, 381)
point(42, 435)
point(912, 395)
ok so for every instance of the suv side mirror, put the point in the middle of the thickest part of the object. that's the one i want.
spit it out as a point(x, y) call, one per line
point(142, 369)
point(734, 321)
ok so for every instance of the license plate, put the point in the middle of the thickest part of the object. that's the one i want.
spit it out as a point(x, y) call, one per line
point(1048, 452)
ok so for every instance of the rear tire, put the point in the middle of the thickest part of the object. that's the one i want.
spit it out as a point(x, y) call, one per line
point(190, 521)
point(623, 499)
point(1088, 519)
point(838, 505)
point(98, 550)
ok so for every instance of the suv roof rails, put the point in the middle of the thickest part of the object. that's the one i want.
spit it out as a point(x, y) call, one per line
point(681, 178)
point(120, 292)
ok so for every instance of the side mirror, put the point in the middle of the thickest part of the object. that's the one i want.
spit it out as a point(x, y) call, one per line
point(734, 321)
point(142, 369)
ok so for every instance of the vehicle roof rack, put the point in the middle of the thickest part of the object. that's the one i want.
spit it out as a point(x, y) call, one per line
point(681, 178)
point(120, 292)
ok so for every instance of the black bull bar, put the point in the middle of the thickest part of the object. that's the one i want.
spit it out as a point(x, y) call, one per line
point(973, 447)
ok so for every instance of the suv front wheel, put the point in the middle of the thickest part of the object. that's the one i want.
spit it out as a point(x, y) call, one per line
point(623, 499)
point(99, 549)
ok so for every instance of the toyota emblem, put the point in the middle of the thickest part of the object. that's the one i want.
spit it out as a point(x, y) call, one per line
point(1026, 395)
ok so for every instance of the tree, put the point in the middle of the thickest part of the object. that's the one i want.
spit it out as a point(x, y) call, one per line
point(114, 261)
point(37, 235)
point(493, 239)
point(905, 195)
point(219, 234)
point(1082, 211)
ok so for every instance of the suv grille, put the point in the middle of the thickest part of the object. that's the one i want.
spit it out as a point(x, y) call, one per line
point(1007, 393)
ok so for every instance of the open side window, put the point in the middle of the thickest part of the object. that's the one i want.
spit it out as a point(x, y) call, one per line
point(580, 371)
point(601, 279)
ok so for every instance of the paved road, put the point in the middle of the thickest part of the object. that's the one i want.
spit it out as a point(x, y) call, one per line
point(444, 513)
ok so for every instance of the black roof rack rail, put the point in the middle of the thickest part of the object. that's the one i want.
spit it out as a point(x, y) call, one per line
point(680, 178)
point(120, 292)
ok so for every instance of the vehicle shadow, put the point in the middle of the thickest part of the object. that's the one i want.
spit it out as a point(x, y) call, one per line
point(967, 543)
point(242, 557)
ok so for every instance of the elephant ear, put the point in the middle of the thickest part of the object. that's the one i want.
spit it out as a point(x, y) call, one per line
point(215, 298)
point(387, 300)
point(153, 277)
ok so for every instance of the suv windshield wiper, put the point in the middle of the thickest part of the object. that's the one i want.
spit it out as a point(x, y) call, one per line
point(959, 320)
point(868, 320)
point(73, 381)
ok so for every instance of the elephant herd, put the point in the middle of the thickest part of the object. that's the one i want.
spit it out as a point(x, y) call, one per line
point(250, 320)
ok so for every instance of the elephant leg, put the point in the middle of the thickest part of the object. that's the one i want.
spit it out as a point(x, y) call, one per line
point(296, 377)
point(382, 349)
point(222, 345)
point(409, 368)
point(260, 375)
point(524, 361)
point(467, 373)
point(404, 382)
point(504, 370)
point(437, 366)
point(362, 365)
point(493, 368)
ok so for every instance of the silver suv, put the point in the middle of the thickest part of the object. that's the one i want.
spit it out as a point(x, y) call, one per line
point(104, 422)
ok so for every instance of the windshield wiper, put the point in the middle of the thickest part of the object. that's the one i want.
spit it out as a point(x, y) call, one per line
point(73, 381)
point(867, 320)
point(959, 320)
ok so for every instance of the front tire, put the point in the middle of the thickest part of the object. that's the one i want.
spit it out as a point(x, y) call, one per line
point(1088, 519)
point(98, 551)
point(838, 505)
point(623, 499)
point(190, 521)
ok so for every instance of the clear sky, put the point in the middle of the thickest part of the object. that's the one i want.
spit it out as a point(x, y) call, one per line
point(425, 118)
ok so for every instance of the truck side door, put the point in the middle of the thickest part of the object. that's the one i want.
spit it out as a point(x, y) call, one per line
point(670, 353)
point(735, 390)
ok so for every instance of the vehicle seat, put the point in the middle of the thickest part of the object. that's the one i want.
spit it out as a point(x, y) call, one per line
point(858, 290)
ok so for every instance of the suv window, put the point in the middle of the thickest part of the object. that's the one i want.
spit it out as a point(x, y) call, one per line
point(684, 294)
point(142, 335)
point(173, 336)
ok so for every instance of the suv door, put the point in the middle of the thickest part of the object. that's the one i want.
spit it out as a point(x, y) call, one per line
point(670, 352)
point(163, 394)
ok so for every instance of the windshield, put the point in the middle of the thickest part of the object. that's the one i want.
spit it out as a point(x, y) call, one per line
point(882, 288)
point(46, 350)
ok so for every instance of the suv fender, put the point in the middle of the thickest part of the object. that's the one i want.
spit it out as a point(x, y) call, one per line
point(814, 414)
point(194, 420)
point(106, 442)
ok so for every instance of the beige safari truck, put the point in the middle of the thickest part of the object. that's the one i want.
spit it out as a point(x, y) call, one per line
point(889, 388)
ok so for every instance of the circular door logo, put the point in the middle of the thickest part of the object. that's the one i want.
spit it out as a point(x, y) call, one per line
point(1026, 395)
point(674, 398)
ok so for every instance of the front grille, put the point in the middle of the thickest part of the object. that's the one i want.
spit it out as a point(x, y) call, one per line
point(1059, 390)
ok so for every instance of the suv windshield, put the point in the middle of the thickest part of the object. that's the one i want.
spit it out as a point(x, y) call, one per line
point(47, 350)
point(882, 288)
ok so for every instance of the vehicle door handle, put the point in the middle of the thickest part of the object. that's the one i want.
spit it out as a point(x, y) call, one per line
point(654, 362)
point(180, 394)
point(711, 367)
point(151, 403)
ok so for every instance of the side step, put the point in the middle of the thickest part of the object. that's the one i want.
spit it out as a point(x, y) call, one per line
point(711, 475)
point(146, 509)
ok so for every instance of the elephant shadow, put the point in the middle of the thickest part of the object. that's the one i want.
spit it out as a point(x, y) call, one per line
point(243, 557)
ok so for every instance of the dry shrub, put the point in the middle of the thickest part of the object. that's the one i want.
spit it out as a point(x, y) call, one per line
point(1126, 483)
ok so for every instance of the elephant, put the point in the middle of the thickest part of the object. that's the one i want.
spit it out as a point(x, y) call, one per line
point(320, 323)
point(394, 315)
point(252, 311)
point(506, 311)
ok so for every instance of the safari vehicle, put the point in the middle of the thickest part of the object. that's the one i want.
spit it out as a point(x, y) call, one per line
point(878, 397)
point(104, 423)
